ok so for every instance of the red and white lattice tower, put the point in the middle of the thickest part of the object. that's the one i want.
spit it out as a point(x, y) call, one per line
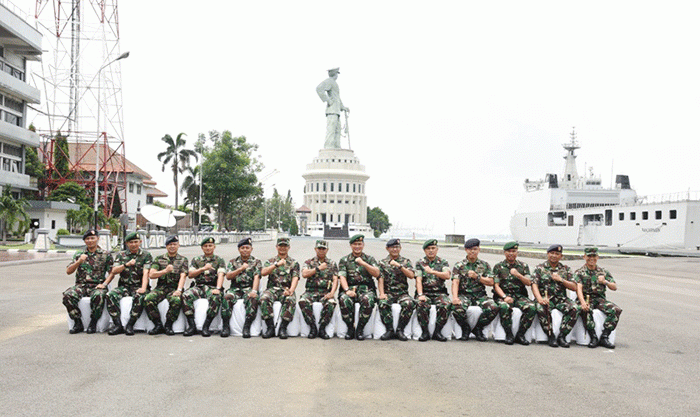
point(80, 80)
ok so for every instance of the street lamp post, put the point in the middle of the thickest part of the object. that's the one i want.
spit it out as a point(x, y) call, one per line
point(97, 148)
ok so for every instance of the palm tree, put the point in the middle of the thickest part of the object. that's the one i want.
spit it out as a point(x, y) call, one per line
point(12, 211)
point(176, 155)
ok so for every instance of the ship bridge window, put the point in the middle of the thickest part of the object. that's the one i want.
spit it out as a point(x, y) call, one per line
point(658, 214)
point(592, 219)
point(672, 214)
point(608, 218)
point(633, 215)
point(622, 216)
point(571, 220)
point(645, 215)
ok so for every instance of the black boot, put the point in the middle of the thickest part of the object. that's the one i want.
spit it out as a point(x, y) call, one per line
point(360, 331)
point(437, 333)
point(246, 328)
point(479, 333)
point(283, 329)
point(92, 327)
point(117, 328)
point(509, 335)
point(191, 328)
point(594, 339)
point(389, 333)
point(270, 331)
point(520, 336)
point(205, 327)
point(313, 331)
point(129, 329)
point(552, 341)
point(77, 327)
point(400, 330)
point(322, 331)
point(226, 328)
point(158, 329)
point(466, 330)
point(351, 332)
point(604, 341)
point(425, 334)
point(561, 341)
point(169, 328)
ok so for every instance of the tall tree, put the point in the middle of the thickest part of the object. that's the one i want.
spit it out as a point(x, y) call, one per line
point(177, 156)
point(13, 212)
point(378, 220)
point(60, 157)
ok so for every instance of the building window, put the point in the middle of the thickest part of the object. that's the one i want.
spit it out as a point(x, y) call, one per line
point(353, 188)
point(633, 215)
point(131, 187)
point(347, 187)
point(645, 215)
point(53, 224)
point(658, 214)
point(332, 184)
point(324, 188)
point(672, 214)
point(138, 188)
point(622, 216)
point(316, 187)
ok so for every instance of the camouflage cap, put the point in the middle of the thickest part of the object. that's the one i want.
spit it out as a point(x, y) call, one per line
point(591, 251)
point(554, 248)
point(131, 236)
point(357, 238)
point(171, 239)
point(206, 240)
point(322, 244)
point(245, 241)
point(430, 242)
point(337, 70)
point(88, 233)
point(393, 242)
point(283, 241)
point(472, 243)
point(510, 245)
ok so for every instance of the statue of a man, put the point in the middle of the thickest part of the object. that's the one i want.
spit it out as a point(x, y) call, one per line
point(329, 92)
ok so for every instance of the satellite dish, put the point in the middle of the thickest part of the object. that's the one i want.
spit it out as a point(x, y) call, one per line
point(163, 217)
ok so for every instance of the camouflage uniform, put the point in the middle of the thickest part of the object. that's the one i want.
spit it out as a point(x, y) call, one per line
point(167, 285)
point(557, 297)
point(434, 291)
point(87, 276)
point(130, 280)
point(360, 280)
point(317, 286)
point(396, 291)
point(588, 278)
point(203, 285)
point(280, 279)
point(241, 286)
point(473, 293)
point(514, 288)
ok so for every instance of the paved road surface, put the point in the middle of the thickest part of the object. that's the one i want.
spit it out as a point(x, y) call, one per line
point(653, 372)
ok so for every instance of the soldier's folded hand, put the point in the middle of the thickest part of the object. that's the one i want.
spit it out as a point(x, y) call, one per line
point(207, 266)
point(169, 268)
point(382, 296)
point(557, 277)
point(350, 293)
point(83, 258)
point(422, 298)
point(601, 279)
point(253, 294)
point(280, 262)
point(100, 286)
point(131, 262)
point(508, 300)
point(472, 274)
point(323, 266)
point(141, 290)
point(456, 301)
point(244, 266)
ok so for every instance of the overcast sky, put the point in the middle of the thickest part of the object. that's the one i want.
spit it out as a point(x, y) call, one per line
point(453, 103)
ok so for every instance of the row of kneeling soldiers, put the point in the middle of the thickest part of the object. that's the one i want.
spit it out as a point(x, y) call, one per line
point(356, 274)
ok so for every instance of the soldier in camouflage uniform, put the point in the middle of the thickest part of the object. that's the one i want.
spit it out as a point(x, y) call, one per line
point(90, 267)
point(170, 269)
point(357, 272)
point(511, 278)
point(244, 274)
point(395, 270)
point(591, 283)
point(132, 265)
point(321, 276)
point(469, 278)
point(549, 284)
point(208, 273)
point(431, 274)
point(283, 277)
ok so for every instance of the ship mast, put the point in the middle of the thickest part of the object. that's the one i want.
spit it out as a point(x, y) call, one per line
point(571, 178)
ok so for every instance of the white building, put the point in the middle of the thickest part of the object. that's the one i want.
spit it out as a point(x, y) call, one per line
point(19, 43)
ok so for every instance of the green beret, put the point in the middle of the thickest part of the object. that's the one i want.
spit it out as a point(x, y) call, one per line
point(206, 240)
point(472, 243)
point(510, 245)
point(429, 242)
point(131, 236)
point(283, 241)
point(591, 251)
point(322, 244)
point(356, 238)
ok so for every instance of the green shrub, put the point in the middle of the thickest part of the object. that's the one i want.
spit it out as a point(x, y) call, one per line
point(62, 232)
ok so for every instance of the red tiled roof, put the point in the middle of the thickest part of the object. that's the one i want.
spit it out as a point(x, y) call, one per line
point(303, 209)
point(87, 163)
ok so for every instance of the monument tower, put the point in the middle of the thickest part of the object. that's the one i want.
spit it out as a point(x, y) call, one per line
point(335, 189)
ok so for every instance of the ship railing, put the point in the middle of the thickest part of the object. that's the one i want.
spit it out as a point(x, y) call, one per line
point(669, 198)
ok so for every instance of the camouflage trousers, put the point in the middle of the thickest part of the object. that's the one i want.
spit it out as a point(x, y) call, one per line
point(190, 295)
point(567, 308)
point(384, 306)
point(611, 310)
point(442, 307)
point(306, 304)
point(115, 296)
point(270, 295)
point(72, 296)
point(366, 297)
point(489, 309)
point(234, 294)
point(157, 295)
point(527, 306)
